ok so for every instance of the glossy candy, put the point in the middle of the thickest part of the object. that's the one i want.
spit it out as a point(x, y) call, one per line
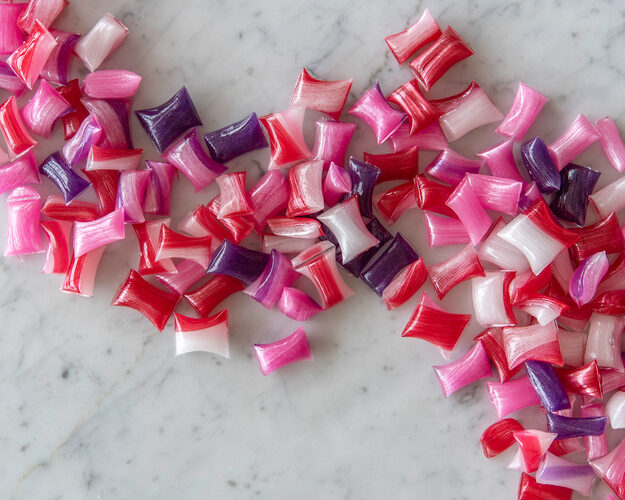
point(468, 208)
point(585, 380)
point(286, 137)
point(188, 156)
point(23, 222)
point(16, 137)
point(58, 171)
point(466, 111)
point(615, 409)
point(405, 284)
point(557, 471)
point(512, 396)
point(413, 103)
point(105, 184)
point(29, 58)
point(449, 273)
point(433, 324)
point(175, 245)
point(58, 253)
point(205, 298)
point(433, 196)
point(610, 198)
point(43, 109)
point(11, 36)
point(238, 227)
point(396, 256)
point(532, 343)
point(543, 308)
point(107, 34)
point(58, 63)
point(492, 341)
point(604, 341)
point(8, 79)
point(236, 139)
point(364, 176)
point(587, 277)
point(601, 236)
point(611, 469)
point(498, 437)
point(318, 264)
point(167, 122)
point(81, 274)
point(19, 173)
point(533, 444)
point(113, 116)
point(499, 252)
point(237, 262)
point(155, 304)
point(572, 347)
point(442, 231)
point(417, 35)
point(430, 138)
point(498, 194)
point(158, 190)
point(71, 121)
point(55, 208)
point(546, 383)
point(500, 161)
point(395, 166)
point(331, 141)
point(447, 50)
point(325, 96)
point(306, 196)
point(596, 446)
point(268, 287)
point(393, 203)
point(347, 226)
point(233, 200)
point(491, 299)
point(100, 158)
point(268, 197)
point(148, 235)
point(296, 227)
point(288, 350)
point(336, 183)
point(111, 84)
point(373, 109)
point(97, 233)
point(203, 334)
point(540, 165)
point(571, 201)
point(451, 167)
point(611, 142)
point(575, 139)
point(297, 305)
point(473, 366)
point(570, 427)
point(44, 11)
point(527, 103)
point(185, 275)
point(78, 146)
point(130, 192)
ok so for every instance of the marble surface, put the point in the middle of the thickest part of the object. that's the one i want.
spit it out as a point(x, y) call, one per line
point(94, 404)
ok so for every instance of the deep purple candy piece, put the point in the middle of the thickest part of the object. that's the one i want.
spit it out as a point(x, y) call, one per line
point(571, 427)
point(238, 262)
point(236, 139)
point(540, 166)
point(363, 176)
point(58, 171)
point(397, 255)
point(169, 121)
point(547, 385)
point(571, 201)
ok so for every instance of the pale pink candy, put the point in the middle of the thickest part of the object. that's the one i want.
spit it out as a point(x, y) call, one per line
point(491, 299)
point(24, 237)
point(43, 109)
point(534, 342)
point(562, 270)
point(611, 468)
point(498, 251)
point(417, 35)
point(524, 110)
point(500, 161)
point(130, 192)
point(611, 142)
point(336, 183)
point(443, 231)
point(543, 308)
point(430, 138)
point(615, 409)
point(596, 446)
point(44, 11)
point(19, 173)
point(326, 96)
point(101, 41)
point(202, 334)
point(111, 84)
point(29, 58)
point(604, 341)
point(288, 350)
point(609, 199)
point(466, 112)
point(466, 205)
point(345, 222)
point(496, 193)
point(97, 233)
point(295, 227)
point(233, 200)
point(573, 141)
point(512, 396)
point(471, 367)
point(373, 109)
point(451, 167)
point(158, 191)
point(560, 472)
point(331, 141)
point(572, 347)
point(306, 195)
point(185, 274)
point(268, 197)
point(78, 146)
point(297, 305)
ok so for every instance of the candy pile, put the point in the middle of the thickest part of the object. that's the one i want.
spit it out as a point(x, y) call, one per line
point(549, 291)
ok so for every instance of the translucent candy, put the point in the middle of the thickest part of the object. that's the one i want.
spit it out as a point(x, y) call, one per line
point(411, 101)
point(233, 200)
point(175, 245)
point(405, 284)
point(94, 234)
point(130, 192)
point(442, 231)
point(29, 58)
point(572, 199)
point(17, 138)
point(81, 274)
point(498, 437)
point(473, 366)
point(101, 41)
point(465, 203)
point(512, 396)
point(335, 184)
point(527, 103)
point(491, 299)
point(203, 334)
point(288, 350)
point(534, 342)
point(277, 275)
point(268, 197)
point(205, 298)
point(306, 195)
point(297, 305)
point(11, 36)
point(43, 109)
point(461, 267)
point(286, 136)
point(575, 139)
point(587, 277)
point(236, 139)
point(19, 173)
point(604, 341)
point(44, 11)
point(451, 167)
point(417, 35)
point(58, 64)
point(114, 118)
point(533, 444)
point(23, 222)
point(395, 166)
point(500, 161)
point(331, 141)
point(78, 146)
point(373, 109)
point(58, 171)
point(58, 253)
point(611, 142)
point(325, 96)
point(158, 191)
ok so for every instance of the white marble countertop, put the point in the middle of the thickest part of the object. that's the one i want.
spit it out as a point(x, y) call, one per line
point(94, 404)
